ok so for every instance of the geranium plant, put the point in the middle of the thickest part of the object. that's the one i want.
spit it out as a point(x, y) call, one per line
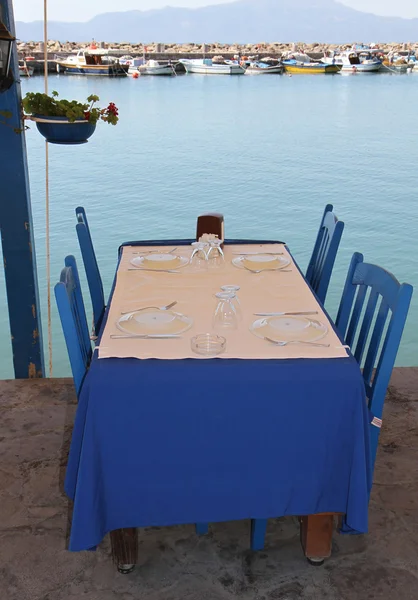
point(52, 106)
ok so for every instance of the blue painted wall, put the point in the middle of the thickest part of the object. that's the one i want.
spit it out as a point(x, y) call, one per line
point(16, 229)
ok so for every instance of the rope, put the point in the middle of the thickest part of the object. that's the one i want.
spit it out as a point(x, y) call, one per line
point(48, 254)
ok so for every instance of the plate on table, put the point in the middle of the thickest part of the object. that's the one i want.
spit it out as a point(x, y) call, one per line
point(154, 322)
point(261, 262)
point(160, 262)
point(289, 328)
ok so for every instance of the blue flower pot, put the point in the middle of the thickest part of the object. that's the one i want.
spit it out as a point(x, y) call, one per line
point(64, 132)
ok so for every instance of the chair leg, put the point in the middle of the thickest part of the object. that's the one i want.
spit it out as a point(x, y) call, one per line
point(202, 528)
point(258, 533)
point(124, 544)
point(316, 537)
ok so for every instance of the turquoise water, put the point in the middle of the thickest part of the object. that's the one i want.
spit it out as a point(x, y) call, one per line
point(269, 152)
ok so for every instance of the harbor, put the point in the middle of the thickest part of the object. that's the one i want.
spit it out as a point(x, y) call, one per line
point(354, 58)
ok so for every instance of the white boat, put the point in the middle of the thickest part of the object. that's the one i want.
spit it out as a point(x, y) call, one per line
point(151, 67)
point(352, 61)
point(25, 70)
point(261, 68)
point(127, 59)
point(399, 63)
point(92, 61)
point(205, 66)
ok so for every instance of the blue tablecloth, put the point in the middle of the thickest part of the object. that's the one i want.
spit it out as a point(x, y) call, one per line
point(193, 441)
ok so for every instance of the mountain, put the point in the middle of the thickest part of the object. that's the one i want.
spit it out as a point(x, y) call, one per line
point(243, 21)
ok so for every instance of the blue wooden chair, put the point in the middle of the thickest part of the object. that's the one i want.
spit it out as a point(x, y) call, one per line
point(74, 322)
point(371, 320)
point(373, 330)
point(94, 279)
point(324, 253)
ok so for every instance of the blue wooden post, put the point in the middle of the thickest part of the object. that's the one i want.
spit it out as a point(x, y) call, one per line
point(16, 228)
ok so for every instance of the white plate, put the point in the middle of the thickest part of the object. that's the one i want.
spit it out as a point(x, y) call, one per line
point(289, 324)
point(261, 261)
point(158, 318)
point(148, 322)
point(160, 261)
point(289, 328)
point(160, 257)
point(261, 258)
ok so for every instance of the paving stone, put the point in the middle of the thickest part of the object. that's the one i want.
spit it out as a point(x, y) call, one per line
point(175, 564)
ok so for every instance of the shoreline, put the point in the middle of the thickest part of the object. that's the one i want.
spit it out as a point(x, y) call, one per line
point(176, 51)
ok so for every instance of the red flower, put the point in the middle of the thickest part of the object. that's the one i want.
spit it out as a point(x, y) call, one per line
point(87, 115)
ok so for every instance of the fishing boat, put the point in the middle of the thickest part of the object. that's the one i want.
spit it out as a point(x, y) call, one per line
point(151, 67)
point(398, 63)
point(127, 59)
point(92, 61)
point(205, 66)
point(261, 68)
point(294, 66)
point(354, 61)
point(25, 70)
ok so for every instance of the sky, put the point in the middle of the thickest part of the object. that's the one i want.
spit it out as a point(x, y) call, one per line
point(83, 10)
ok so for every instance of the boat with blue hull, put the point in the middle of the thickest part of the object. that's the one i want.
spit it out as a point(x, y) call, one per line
point(206, 66)
point(92, 61)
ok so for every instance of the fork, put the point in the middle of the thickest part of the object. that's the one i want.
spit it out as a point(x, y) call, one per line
point(145, 308)
point(257, 253)
point(145, 337)
point(266, 270)
point(155, 251)
point(278, 343)
point(281, 314)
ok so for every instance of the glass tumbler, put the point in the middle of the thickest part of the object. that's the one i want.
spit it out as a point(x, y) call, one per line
point(215, 254)
point(199, 258)
point(234, 289)
point(225, 316)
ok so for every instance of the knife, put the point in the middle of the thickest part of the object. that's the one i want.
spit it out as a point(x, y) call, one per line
point(281, 314)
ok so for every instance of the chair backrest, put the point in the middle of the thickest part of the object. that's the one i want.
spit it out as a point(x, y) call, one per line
point(324, 253)
point(94, 279)
point(74, 322)
point(371, 318)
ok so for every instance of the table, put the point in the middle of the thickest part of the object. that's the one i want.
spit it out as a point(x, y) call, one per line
point(166, 442)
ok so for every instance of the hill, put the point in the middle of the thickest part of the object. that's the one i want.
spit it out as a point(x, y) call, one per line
point(243, 21)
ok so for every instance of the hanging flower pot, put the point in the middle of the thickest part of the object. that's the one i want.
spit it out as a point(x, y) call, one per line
point(64, 121)
point(59, 130)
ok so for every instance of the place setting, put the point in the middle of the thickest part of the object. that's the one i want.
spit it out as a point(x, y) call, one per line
point(166, 262)
point(286, 328)
point(152, 322)
point(262, 262)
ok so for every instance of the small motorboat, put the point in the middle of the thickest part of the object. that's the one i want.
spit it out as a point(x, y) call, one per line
point(206, 66)
point(262, 68)
point(353, 61)
point(398, 63)
point(153, 67)
point(293, 66)
point(25, 70)
point(92, 61)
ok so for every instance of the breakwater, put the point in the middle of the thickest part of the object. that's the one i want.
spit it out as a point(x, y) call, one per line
point(161, 51)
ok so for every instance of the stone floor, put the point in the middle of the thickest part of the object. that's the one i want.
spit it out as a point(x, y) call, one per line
point(35, 427)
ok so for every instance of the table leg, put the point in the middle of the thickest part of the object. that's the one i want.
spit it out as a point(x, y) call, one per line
point(316, 536)
point(124, 544)
point(258, 533)
point(202, 528)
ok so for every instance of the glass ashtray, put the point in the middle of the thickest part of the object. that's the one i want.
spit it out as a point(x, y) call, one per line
point(207, 344)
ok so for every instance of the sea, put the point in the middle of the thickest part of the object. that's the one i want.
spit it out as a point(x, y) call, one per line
point(269, 152)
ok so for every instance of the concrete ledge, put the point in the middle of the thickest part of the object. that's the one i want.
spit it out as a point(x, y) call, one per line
point(35, 429)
